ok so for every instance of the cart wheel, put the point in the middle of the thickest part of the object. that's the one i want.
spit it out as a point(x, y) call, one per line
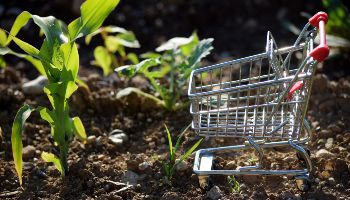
point(303, 184)
point(301, 159)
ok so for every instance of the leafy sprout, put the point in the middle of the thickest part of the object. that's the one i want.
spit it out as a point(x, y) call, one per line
point(58, 60)
point(233, 183)
point(168, 69)
point(113, 53)
point(173, 161)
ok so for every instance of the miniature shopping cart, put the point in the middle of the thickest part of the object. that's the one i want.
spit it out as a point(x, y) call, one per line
point(261, 98)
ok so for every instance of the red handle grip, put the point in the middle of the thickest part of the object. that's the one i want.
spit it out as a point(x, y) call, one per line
point(321, 52)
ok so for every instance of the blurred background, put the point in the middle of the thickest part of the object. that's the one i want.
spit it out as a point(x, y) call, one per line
point(239, 28)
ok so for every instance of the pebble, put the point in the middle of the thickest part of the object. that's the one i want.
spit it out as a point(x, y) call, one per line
point(144, 166)
point(331, 181)
point(329, 143)
point(335, 128)
point(182, 166)
point(214, 193)
point(325, 133)
point(323, 153)
point(28, 152)
point(231, 165)
point(117, 137)
point(91, 139)
point(35, 86)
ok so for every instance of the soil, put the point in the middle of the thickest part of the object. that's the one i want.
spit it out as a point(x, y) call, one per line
point(101, 169)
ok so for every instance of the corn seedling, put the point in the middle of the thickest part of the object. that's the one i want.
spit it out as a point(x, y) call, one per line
point(170, 165)
point(168, 70)
point(233, 183)
point(113, 53)
point(59, 61)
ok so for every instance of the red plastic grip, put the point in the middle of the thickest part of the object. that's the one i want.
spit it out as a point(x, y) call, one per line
point(294, 88)
point(321, 52)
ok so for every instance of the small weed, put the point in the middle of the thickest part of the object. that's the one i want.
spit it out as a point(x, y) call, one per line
point(234, 184)
point(170, 165)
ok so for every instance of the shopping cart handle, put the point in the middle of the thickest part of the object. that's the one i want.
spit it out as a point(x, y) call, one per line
point(321, 52)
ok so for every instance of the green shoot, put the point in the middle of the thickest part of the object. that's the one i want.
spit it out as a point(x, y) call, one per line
point(233, 183)
point(172, 64)
point(113, 53)
point(170, 165)
point(59, 60)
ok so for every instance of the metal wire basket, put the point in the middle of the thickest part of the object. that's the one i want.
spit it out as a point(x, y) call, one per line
point(262, 98)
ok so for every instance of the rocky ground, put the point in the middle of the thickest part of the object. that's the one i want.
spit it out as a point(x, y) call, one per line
point(127, 142)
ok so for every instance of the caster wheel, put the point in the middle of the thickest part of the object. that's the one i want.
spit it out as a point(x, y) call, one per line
point(303, 184)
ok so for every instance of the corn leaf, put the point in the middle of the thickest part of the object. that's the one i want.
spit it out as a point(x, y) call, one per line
point(3, 38)
point(170, 142)
point(16, 140)
point(51, 158)
point(20, 21)
point(103, 59)
point(46, 115)
point(2, 62)
point(133, 58)
point(106, 29)
point(189, 152)
point(71, 59)
point(93, 13)
point(143, 66)
point(79, 129)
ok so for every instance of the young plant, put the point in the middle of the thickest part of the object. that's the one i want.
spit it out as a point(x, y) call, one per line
point(59, 59)
point(113, 53)
point(170, 165)
point(339, 19)
point(168, 70)
point(233, 183)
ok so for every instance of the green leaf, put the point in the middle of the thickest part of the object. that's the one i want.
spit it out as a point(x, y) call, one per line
point(128, 39)
point(52, 158)
point(2, 62)
point(35, 62)
point(103, 59)
point(188, 48)
point(189, 152)
point(3, 38)
point(170, 142)
point(20, 21)
point(106, 29)
point(82, 83)
point(178, 141)
point(142, 67)
point(93, 13)
point(16, 140)
point(79, 129)
point(47, 115)
point(70, 58)
point(54, 30)
point(133, 58)
point(202, 50)
point(150, 55)
point(26, 47)
point(174, 43)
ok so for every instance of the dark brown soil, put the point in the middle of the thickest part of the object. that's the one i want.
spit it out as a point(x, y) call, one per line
point(98, 169)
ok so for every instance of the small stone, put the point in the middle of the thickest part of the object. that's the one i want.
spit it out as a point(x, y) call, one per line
point(152, 145)
point(331, 181)
point(339, 138)
point(28, 152)
point(144, 166)
point(182, 166)
point(131, 177)
point(325, 174)
point(231, 165)
point(323, 153)
point(117, 137)
point(91, 139)
point(35, 86)
point(325, 133)
point(329, 143)
point(317, 180)
point(289, 159)
point(335, 128)
point(214, 193)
